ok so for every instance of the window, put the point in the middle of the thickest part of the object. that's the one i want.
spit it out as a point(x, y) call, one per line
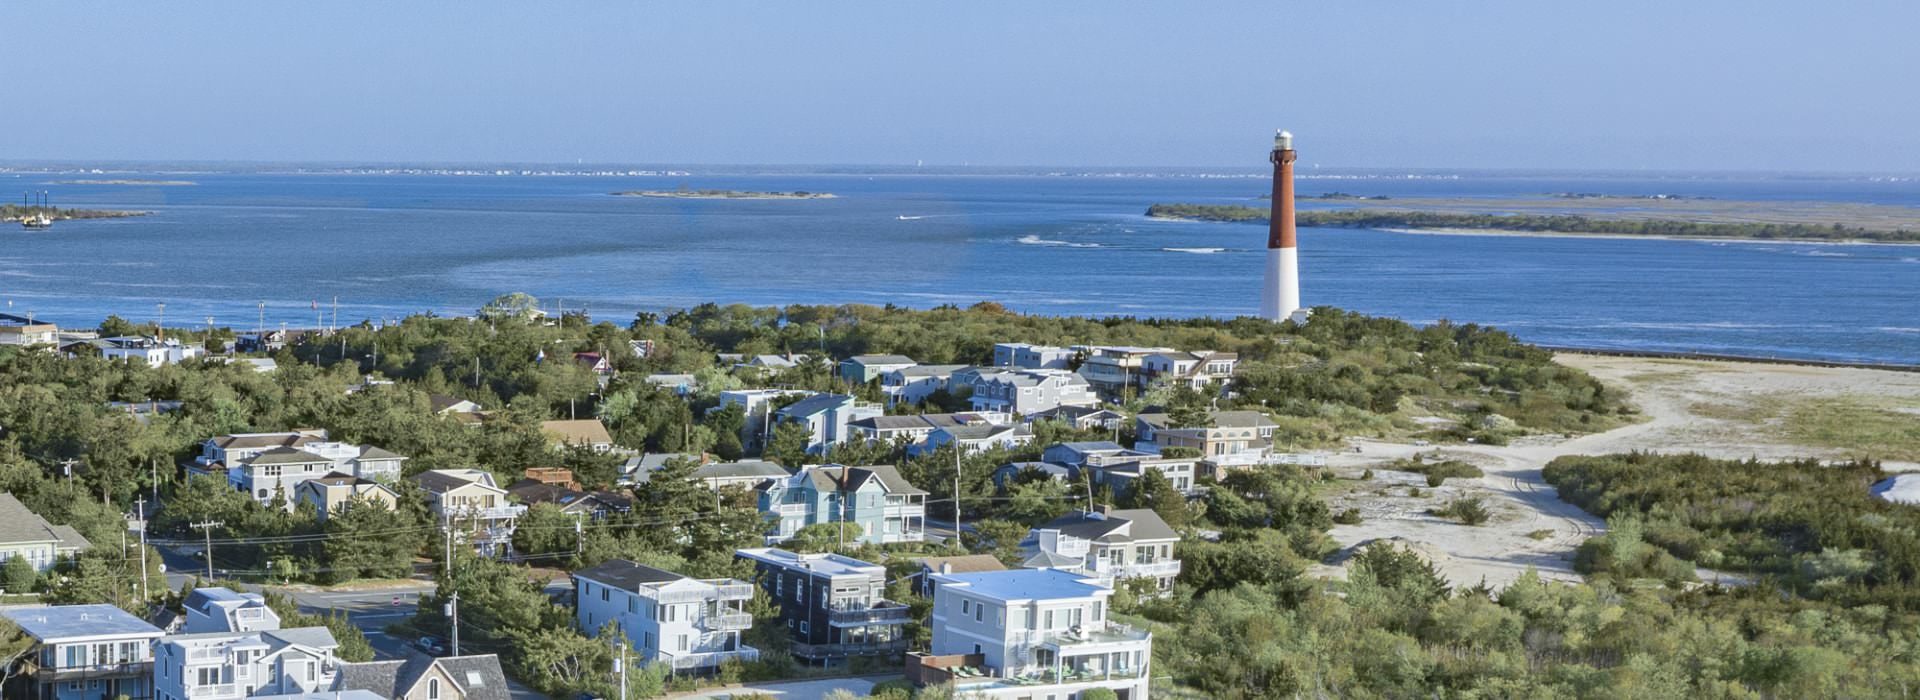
point(979, 612)
point(312, 668)
point(433, 689)
point(966, 606)
point(804, 627)
point(603, 594)
point(1049, 618)
point(683, 642)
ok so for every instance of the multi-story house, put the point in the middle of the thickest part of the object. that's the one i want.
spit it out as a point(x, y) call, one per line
point(82, 652)
point(337, 490)
point(861, 369)
point(959, 564)
point(1112, 369)
point(1020, 392)
point(1235, 438)
point(154, 352)
point(224, 610)
point(834, 607)
point(1109, 545)
point(1029, 356)
point(758, 405)
point(1116, 467)
point(422, 677)
point(1196, 370)
point(1030, 633)
point(23, 330)
point(233, 665)
point(826, 417)
point(270, 465)
point(468, 501)
point(876, 498)
point(915, 429)
point(1081, 417)
point(667, 618)
point(976, 438)
point(24, 534)
point(912, 385)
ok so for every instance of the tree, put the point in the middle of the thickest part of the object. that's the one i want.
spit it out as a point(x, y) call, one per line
point(1003, 537)
point(366, 539)
point(18, 576)
point(789, 444)
point(545, 531)
point(561, 662)
point(1152, 490)
point(515, 306)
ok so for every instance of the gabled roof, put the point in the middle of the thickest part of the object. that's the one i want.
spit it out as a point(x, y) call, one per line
point(1116, 526)
point(985, 431)
point(478, 677)
point(1221, 419)
point(284, 456)
point(739, 470)
point(882, 360)
point(930, 370)
point(20, 525)
point(964, 564)
point(371, 452)
point(339, 479)
point(589, 431)
point(532, 491)
point(441, 480)
point(293, 438)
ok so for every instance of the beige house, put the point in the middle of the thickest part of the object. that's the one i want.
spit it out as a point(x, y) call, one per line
point(337, 490)
point(476, 507)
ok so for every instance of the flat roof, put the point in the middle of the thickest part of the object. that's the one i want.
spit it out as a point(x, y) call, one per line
point(1024, 584)
point(827, 564)
point(58, 622)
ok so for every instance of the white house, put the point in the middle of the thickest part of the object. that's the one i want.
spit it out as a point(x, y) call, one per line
point(976, 438)
point(82, 652)
point(24, 534)
point(667, 618)
point(1109, 545)
point(757, 405)
point(154, 352)
point(826, 417)
point(1021, 392)
point(23, 330)
point(1195, 369)
point(269, 465)
point(912, 385)
point(222, 610)
point(914, 429)
point(1030, 633)
point(1030, 356)
point(233, 665)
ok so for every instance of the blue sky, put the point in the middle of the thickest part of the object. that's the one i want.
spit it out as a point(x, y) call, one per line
point(1802, 86)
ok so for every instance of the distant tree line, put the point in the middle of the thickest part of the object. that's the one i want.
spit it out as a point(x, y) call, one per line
point(1556, 223)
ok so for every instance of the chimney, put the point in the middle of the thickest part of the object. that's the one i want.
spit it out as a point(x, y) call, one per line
point(946, 567)
point(1280, 291)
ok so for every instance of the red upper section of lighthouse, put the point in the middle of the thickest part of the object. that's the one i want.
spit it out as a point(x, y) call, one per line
point(1280, 220)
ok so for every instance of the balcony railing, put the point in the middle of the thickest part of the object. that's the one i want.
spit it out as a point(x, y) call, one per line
point(707, 659)
point(74, 673)
point(729, 620)
point(1164, 567)
point(723, 589)
point(821, 651)
point(884, 612)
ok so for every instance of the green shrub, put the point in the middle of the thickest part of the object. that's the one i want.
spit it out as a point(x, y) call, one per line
point(1469, 511)
point(1350, 516)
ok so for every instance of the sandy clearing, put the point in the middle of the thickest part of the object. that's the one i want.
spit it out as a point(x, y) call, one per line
point(1690, 406)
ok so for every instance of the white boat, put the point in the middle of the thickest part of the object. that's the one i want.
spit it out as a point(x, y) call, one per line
point(37, 222)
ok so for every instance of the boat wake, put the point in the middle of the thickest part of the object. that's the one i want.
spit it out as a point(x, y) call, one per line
point(1200, 251)
point(1031, 239)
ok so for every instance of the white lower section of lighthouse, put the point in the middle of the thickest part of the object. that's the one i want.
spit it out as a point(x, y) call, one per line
point(1280, 295)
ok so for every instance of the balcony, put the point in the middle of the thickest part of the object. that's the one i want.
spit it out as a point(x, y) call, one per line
point(77, 673)
point(691, 660)
point(1111, 637)
point(1155, 569)
point(787, 510)
point(723, 589)
point(884, 612)
point(825, 651)
point(729, 620)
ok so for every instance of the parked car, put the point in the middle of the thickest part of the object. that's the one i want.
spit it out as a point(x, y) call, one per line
point(432, 645)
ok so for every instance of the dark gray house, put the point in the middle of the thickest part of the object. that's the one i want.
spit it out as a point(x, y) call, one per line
point(834, 607)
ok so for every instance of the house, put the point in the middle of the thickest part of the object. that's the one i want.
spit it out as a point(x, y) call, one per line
point(1114, 368)
point(1236, 438)
point(587, 432)
point(264, 341)
point(826, 417)
point(1030, 633)
point(478, 509)
point(757, 405)
point(336, 491)
point(642, 348)
point(144, 411)
point(635, 469)
point(679, 384)
point(24, 534)
point(570, 501)
point(885, 507)
point(915, 429)
point(23, 330)
point(667, 618)
point(279, 471)
point(1081, 417)
point(444, 405)
point(1025, 391)
point(154, 352)
point(912, 385)
point(747, 474)
point(976, 438)
point(834, 607)
point(422, 677)
point(1006, 474)
point(861, 369)
point(1116, 467)
point(1029, 356)
point(1108, 545)
point(82, 652)
point(1194, 370)
point(214, 609)
point(596, 363)
point(768, 364)
point(233, 665)
point(962, 564)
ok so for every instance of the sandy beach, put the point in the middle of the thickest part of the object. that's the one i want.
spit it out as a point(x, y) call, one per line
point(1723, 409)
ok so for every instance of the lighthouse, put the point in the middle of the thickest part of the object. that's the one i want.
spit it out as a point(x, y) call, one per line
point(1280, 295)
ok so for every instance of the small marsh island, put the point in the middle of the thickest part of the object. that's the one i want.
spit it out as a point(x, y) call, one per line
point(724, 194)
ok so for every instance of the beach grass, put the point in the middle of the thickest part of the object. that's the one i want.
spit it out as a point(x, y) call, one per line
point(1861, 426)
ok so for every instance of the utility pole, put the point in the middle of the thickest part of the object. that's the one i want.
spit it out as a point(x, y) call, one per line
point(453, 611)
point(620, 663)
point(160, 322)
point(66, 468)
point(335, 324)
point(140, 509)
point(956, 489)
point(579, 538)
point(207, 528)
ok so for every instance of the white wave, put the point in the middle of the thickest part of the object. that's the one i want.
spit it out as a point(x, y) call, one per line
point(1898, 329)
point(904, 217)
point(1911, 261)
point(1032, 239)
point(1202, 251)
point(1826, 254)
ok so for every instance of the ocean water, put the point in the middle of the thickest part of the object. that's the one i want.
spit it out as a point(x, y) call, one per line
point(388, 245)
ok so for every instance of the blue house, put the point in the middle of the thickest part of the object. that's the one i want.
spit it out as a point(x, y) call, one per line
point(826, 417)
point(886, 507)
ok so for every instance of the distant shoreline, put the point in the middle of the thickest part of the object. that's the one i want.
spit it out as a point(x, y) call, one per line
point(723, 194)
point(14, 213)
point(142, 183)
point(1546, 224)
